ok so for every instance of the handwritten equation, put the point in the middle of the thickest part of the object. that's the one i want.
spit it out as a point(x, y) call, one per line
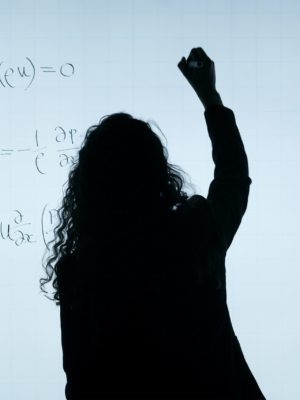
point(19, 232)
point(61, 136)
point(26, 73)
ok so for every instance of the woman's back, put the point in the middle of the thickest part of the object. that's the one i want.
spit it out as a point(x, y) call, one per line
point(155, 321)
point(158, 326)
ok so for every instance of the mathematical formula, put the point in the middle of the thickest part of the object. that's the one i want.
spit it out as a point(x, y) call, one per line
point(26, 73)
point(61, 136)
point(19, 232)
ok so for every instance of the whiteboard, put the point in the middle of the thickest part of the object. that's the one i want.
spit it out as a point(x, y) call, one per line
point(63, 66)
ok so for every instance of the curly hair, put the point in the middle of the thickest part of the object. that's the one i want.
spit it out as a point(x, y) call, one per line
point(121, 174)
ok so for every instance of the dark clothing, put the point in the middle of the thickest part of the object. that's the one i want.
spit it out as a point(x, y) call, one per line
point(159, 328)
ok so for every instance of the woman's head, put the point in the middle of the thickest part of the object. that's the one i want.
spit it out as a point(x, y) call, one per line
point(122, 166)
point(122, 180)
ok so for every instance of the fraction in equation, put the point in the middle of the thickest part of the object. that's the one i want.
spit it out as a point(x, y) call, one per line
point(62, 136)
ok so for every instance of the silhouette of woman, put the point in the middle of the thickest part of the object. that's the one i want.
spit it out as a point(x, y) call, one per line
point(140, 265)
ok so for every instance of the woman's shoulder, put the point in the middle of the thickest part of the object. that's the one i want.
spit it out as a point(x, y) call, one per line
point(193, 213)
point(195, 203)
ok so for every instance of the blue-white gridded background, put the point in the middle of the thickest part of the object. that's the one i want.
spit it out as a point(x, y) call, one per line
point(65, 64)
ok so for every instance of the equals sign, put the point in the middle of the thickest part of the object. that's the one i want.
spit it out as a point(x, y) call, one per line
point(23, 150)
point(47, 69)
point(6, 152)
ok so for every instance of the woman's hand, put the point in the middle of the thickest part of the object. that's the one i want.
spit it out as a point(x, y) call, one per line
point(199, 70)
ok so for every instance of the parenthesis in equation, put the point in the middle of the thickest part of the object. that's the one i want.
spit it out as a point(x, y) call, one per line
point(43, 230)
point(33, 72)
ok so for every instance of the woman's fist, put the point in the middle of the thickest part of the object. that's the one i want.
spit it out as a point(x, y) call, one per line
point(199, 70)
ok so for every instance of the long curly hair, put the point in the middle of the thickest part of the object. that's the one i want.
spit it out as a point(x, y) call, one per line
point(121, 178)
